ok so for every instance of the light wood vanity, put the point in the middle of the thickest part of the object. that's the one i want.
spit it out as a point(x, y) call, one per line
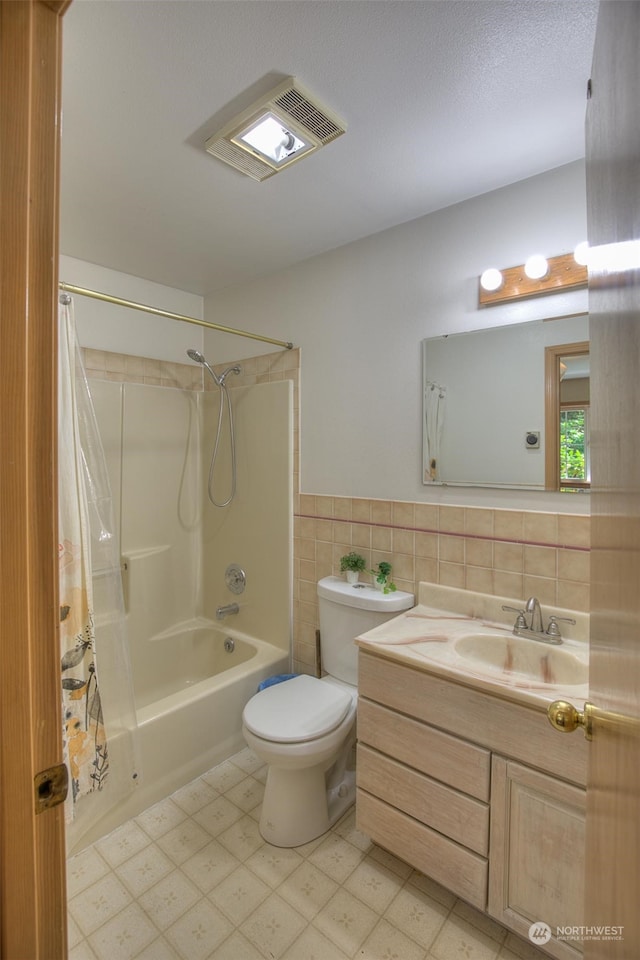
point(474, 789)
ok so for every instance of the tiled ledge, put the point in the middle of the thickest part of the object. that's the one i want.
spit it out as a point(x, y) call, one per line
point(126, 368)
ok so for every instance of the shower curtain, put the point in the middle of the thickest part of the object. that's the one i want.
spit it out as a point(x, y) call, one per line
point(434, 404)
point(98, 713)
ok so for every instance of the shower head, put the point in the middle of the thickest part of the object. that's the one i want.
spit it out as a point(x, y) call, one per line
point(199, 358)
point(223, 376)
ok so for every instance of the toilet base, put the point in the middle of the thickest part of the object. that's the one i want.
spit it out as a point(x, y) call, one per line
point(297, 807)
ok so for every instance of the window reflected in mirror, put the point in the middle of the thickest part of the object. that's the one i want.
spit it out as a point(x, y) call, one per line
point(567, 402)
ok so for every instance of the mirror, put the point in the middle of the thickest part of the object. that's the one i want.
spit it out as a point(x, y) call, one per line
point(485, 406)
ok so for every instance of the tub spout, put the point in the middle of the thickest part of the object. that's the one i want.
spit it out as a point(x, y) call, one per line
point(222, 612)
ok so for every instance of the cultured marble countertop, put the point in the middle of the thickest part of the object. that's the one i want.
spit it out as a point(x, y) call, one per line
point(437, 639)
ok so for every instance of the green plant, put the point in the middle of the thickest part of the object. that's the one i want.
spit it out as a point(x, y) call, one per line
point(382, 574)
point(352, 561)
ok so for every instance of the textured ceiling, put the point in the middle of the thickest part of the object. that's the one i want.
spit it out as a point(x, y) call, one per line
point(443, 101)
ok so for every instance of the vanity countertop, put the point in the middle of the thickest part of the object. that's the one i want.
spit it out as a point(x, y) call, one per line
point(462, 636)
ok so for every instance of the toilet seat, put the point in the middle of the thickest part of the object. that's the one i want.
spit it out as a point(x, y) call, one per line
point(296, 710)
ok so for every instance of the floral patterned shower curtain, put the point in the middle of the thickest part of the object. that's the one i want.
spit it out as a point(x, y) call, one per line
point(98, 713)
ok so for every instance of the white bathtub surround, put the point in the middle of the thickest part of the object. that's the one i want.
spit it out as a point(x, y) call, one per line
point(192, 879)
point(176, 547)
point(256, 530)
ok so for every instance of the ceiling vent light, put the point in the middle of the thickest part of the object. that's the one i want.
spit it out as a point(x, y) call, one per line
point(274, 132)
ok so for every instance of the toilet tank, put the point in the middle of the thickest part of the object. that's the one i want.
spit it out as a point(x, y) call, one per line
point(346, 611)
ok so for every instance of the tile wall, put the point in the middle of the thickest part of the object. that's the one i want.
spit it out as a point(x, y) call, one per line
point(510, 553)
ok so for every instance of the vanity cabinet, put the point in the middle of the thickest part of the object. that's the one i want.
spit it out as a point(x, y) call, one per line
point(475, 791)
point(537, 852)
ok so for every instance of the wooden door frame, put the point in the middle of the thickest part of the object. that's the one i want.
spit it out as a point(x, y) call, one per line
point(32, 856)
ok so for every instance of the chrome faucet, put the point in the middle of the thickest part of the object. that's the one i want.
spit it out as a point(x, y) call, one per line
point(534, 629)
point(533, 607)
point(222, 612)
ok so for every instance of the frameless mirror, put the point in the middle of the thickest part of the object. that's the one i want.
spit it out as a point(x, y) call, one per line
point(485, 406)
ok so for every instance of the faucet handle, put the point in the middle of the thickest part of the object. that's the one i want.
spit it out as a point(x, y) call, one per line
point(553, 630)
point(521, 620)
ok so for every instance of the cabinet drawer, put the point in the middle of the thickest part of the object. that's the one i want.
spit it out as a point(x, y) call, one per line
point(510, 729)
point(462, 765)
point(451, 813)
point(458, 869)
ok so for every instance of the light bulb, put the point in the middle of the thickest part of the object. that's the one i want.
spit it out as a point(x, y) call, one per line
point(491, 279)
point(581, 253)
point(536, 267)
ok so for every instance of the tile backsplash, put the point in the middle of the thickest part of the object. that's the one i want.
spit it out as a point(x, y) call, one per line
point(509, 553)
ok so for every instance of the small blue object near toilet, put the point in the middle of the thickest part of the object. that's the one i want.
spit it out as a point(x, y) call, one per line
point(278, 678)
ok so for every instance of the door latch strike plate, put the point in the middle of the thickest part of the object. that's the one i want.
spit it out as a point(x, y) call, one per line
point(50, 787)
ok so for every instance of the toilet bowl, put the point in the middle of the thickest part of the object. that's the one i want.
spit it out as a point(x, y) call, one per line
point(305, 728)
point(300, 802)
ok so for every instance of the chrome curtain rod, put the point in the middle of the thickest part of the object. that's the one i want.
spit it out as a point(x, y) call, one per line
point(95, 295)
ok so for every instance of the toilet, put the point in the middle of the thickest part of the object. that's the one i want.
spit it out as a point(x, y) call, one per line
point(305, 728)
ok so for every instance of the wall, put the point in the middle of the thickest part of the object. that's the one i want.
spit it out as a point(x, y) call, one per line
point(508, 553)
point(119, 330)
point(360, 312)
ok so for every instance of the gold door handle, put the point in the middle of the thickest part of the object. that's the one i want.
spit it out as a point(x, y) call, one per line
point(565, 718)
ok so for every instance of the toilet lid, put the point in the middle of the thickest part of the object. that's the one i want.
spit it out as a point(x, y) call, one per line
point(297, 710)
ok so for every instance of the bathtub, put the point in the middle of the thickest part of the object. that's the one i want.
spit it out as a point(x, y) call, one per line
point(190, 693)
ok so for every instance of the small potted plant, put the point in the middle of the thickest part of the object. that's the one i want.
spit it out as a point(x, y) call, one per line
point(382, 577)
point(351, 565)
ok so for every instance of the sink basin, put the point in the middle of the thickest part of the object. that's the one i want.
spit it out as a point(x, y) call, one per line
point(517, 657)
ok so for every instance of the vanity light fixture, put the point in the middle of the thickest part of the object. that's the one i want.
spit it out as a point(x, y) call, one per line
point(536, 267)
point(491, 279)
point(581, 253)
point(533, 279)
point(288, 123)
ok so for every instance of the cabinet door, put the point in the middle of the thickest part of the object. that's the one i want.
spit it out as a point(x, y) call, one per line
point(536, 855)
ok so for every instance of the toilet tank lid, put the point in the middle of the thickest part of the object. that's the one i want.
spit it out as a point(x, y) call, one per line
point(364, 596)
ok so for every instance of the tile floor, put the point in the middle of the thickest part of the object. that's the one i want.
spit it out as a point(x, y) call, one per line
point(192, 879)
